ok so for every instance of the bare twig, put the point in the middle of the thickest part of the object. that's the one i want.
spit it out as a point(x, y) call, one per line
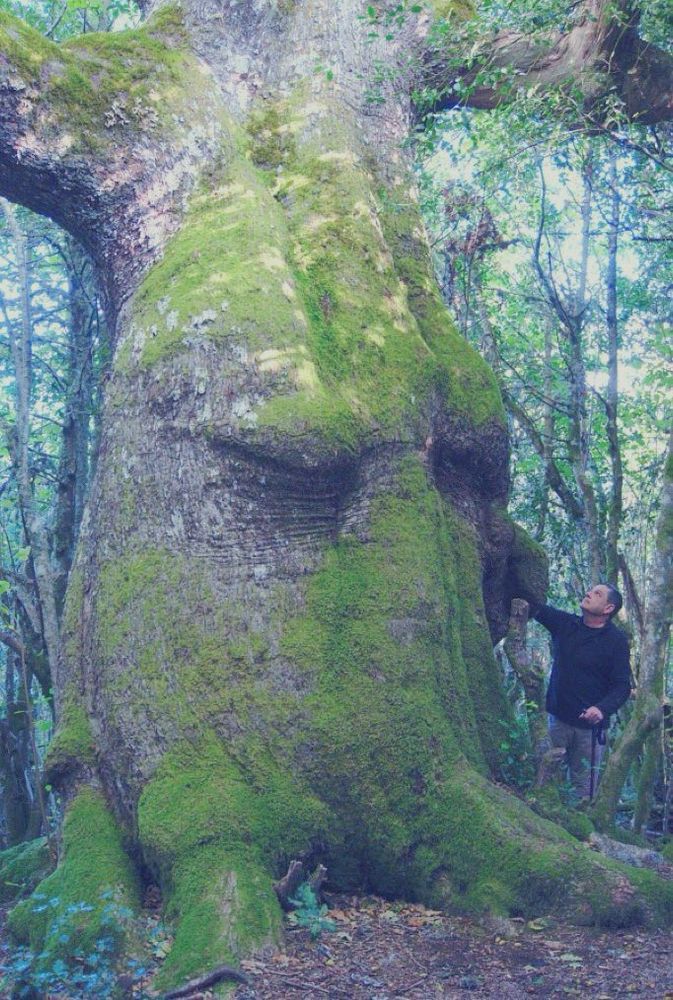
point(57, 20)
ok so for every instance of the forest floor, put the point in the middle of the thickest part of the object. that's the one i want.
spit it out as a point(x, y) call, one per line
point(384, 951)
point(393, 951)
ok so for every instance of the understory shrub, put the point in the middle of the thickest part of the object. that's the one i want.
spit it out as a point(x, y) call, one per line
point(120, 959)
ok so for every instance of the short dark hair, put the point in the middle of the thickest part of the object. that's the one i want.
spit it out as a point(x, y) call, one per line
point(614, 597)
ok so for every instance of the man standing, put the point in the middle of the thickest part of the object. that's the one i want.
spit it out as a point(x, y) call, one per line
point(590, 679)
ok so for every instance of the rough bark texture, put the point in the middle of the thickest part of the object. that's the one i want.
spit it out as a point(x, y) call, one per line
point(600, 58)
point(296, 554)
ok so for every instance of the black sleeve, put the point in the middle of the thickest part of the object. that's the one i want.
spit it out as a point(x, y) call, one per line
point(552, 619)
point(620, 679)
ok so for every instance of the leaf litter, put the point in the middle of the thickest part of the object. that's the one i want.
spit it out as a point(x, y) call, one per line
point(397, 951)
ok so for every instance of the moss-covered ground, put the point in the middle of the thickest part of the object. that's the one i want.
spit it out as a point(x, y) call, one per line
point(22, 867)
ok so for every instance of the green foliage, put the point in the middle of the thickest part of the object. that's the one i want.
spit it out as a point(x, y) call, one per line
point(73, 17)
point(310, 913)
point(94, 967)
point(517, 764)
point(93, 861)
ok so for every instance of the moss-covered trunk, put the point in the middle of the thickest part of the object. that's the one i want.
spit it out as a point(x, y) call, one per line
point(296, 554)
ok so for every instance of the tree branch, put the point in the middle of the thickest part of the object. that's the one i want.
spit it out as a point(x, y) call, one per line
point(554, 477)
point(601, 54)
point(89, 137)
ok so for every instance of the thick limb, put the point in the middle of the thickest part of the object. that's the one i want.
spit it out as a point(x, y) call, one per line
point(601, 53)
point(89, 135)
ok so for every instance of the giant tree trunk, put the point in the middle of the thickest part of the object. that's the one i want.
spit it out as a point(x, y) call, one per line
point(296, 554)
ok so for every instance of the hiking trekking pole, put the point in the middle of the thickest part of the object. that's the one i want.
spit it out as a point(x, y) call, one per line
point(592, 773)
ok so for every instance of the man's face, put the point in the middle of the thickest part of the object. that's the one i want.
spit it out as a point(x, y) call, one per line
point(595, 601)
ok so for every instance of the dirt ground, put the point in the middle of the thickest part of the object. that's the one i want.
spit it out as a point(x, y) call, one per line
point(383, 951)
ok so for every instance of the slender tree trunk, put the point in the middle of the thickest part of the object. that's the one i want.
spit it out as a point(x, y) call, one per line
point(615, 504)
point(580, 444)
point(73, 470)
point(530, 675)
point(548, 430)
point(33, 519)
point(648, 708)
point(647, 774)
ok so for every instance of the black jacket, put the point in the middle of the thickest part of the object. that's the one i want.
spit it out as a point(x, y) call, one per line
point(590, 667)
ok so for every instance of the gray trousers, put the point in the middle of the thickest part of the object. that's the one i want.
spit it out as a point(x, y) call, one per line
point(576, 744)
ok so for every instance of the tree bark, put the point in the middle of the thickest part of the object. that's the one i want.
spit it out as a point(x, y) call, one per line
point(648, 709)
point(531, 676)
point(600, 56)
point(278, 629)
point(34, 523)
point(73, 472)
point(615, 506)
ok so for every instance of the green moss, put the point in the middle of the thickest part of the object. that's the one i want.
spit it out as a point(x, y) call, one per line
point(226, 909)
point(461, 10)
point(22, 867)
point(547, 802)
point(217, 859)
point(93, 862)
point(73, 745)
point(174, 668)
point(463, 378)
point(486, 694)
point(406, 689)
point(224, 276)
point(282, 255)
point(527, 568)
point(100, 84)
point(24, 50)
point(362, 339)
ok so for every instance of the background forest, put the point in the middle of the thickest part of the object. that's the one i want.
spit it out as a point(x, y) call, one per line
point(553, 247)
